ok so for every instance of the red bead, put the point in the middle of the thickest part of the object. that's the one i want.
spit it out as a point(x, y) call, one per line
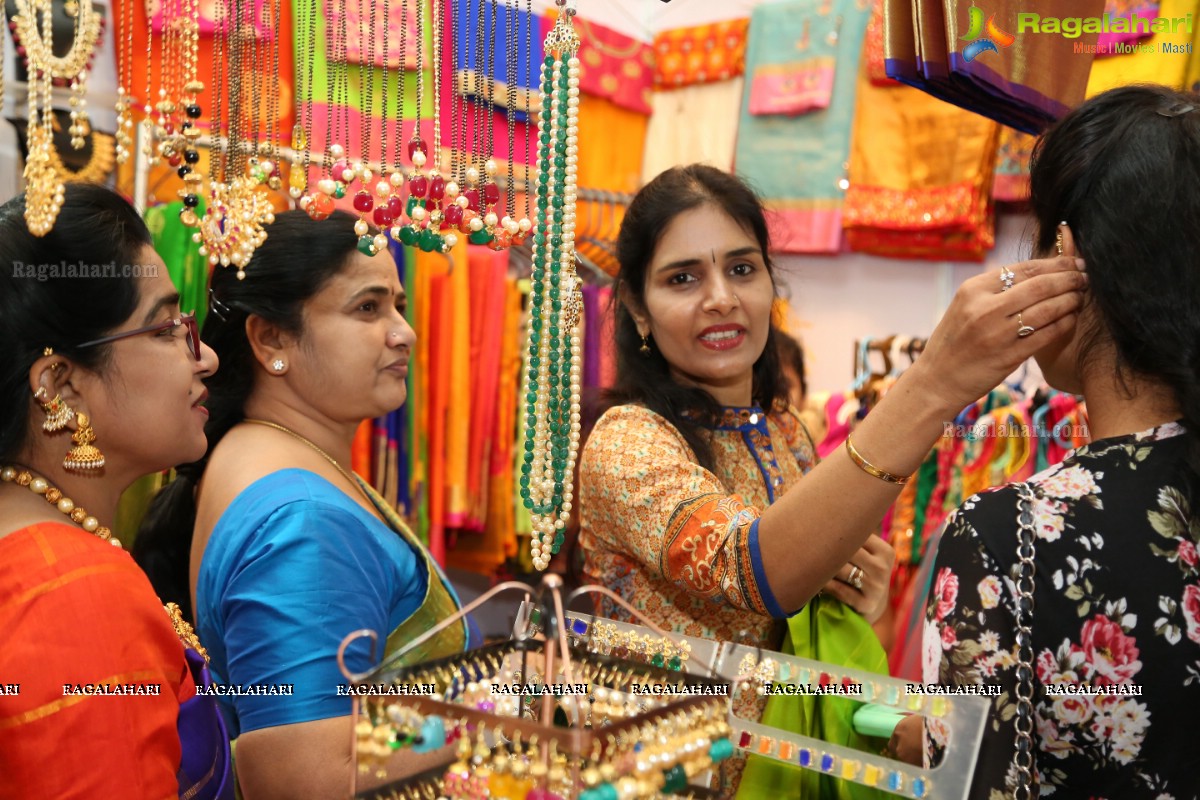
point(453, 214)
point(321, 206)
point(415, 144)
point(744, 741)
point(363, 202)
point(472, 196)
point(418, 185)
point(175, 160)
point(825, 679)
point(395, 207)
point(437, 188)
point(491, 193)
point(342, 171)
point(383, 217)
point(432, 205)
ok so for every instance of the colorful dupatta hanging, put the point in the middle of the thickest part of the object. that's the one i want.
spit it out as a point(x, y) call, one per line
point(797, 163)
point(1163, 58)
point(700, 53)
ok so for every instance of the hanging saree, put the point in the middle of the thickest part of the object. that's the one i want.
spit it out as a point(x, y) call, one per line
point(797, 163)
point(694, 124)
point(943, 47)
point(700, 53)
point(1012, 166)
point(1163, 58)
point(1138, 15)
point(911, 196)
point(470, 72)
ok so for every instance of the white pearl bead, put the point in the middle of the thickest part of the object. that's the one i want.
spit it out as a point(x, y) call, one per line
point(39, 485)
point(90, 524)
point(383, 189)
point(381, 242)
point(490, 219)
point(367, 174)
point(451, 240)
point(8, 474)
point(418, 213)
point(295, 192)
point(462, 202)
point(327, 185)
point(66, 505)
point(361, 227)
point(418, 159)
point(476, 224)
point(472, 175)
point(336, 150)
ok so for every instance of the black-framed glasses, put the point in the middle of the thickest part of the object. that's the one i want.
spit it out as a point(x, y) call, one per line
point(193, 333)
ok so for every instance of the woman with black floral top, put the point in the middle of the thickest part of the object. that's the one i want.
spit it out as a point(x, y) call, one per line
point(1115, 655)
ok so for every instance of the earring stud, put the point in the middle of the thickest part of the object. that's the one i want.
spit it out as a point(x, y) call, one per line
point(278, 365)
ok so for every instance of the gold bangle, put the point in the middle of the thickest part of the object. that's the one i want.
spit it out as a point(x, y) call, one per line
point(871, 469)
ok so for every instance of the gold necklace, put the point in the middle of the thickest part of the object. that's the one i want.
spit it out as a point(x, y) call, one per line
point(77, 514)
point(98, 167)
point(345, 473)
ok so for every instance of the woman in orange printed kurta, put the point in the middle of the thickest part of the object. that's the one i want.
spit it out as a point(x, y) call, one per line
point(700, 518)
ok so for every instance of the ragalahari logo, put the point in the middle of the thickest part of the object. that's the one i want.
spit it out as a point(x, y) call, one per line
point(983, 36)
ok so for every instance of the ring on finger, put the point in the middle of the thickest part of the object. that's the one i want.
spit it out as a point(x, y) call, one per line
point(1007, 278)
point(856, 576)
point(1023, 330)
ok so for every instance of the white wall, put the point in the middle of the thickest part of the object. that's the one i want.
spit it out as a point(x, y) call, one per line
point(837, 300)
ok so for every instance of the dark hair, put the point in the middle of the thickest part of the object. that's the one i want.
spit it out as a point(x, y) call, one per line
point(295, 262)
point(1122, 171)
point(646, 379)
point(54, 292)
point(791, 354)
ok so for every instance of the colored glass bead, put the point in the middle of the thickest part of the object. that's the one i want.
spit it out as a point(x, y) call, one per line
point(871, 775)
point(453, 215)
point(674, 780)
point(193, 111)
point(366, 245)
point(183, 170)
point(720, 750)
point(579, 627)
point(342, 172)
point(919, 787)
point(657, 660)
point(491, 193)
point(827, 762)
point(437, 187)
point(675, 664)
point(339, 191)
point(480, 237)
point(417, 144)
point(383, 217)
point(320, 206)
point(418, 186)
point(850, 769)
point(472, 196)
point(408, 236)
point(785, 750)
point(744, 739)
point(191, 200)
point(805, 757)
point(363, 202)
point(427, 240)
point(395, 207)
point(895, 781)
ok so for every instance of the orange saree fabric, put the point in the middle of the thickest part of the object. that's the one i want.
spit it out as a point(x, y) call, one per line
point(77, 611)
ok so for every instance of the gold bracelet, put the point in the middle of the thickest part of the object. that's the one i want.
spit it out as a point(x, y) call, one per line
point(871, 469)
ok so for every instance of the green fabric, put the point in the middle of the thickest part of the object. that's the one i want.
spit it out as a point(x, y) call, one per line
point(830, 631)
point(187, 268)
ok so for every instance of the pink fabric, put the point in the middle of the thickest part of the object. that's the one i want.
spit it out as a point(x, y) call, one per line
point(805, 231)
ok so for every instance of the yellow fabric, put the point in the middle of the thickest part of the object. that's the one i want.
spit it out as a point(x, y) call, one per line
point(692, 124)
point(1170, 69)
point(458, 408)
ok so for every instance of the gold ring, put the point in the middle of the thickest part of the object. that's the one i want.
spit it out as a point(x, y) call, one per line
point(1023, 330)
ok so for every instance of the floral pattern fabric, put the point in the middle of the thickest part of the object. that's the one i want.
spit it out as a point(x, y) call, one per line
point(1116, 621)
point(679, 542)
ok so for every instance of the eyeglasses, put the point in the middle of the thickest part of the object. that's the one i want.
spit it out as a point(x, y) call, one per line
point(193, 333)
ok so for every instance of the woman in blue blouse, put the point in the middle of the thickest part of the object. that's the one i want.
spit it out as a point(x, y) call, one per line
point(291, 551)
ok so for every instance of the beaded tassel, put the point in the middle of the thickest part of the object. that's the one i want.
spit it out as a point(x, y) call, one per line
point(553, 359)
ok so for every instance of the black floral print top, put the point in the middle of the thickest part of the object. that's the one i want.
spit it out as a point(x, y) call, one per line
point(1117, 610)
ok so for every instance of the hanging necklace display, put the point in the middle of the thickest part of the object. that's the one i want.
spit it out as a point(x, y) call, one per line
point(436, 241)
point(386, 203)
point(513, 230)
point(302, 130)
point(340, 173)
point(364, 200)
point(395, 203)
point(420, 231)
point(43, 185)
point(188, 121)
point(553, 356)
point(234, 222)
point(124, 46)
point(489, 192)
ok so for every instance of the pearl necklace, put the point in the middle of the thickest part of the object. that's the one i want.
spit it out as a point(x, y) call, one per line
point(55, 497)
point(552, 364)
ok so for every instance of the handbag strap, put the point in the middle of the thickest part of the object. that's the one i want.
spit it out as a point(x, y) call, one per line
point(1024, 757)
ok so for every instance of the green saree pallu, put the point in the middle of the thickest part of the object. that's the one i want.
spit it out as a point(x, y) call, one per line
point(830, 631)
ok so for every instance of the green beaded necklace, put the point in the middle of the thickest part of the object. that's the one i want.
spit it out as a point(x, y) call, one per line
point(551, 385)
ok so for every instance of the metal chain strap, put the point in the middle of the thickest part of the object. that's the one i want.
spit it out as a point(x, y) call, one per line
point(1024, 758)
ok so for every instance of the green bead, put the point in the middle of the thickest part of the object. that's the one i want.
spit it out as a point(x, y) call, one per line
point(536, 324)
point(528, 504)
point(675, 664)
point(339, 191)
point(528, 446)
point(658, 660)
point(481, 236)
point(674, 780)
point(526, 468)
point(524, 481)
point(720, 750)
point(411, 203)
point(427, 240)
point(548, 61)
point(366, 245)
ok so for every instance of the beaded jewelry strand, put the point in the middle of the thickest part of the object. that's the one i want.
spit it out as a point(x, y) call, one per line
point(553, 359)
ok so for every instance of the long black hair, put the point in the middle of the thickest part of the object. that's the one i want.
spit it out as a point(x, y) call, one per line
point(296, 261)
point(75, 284)
point(1122, 171)
point(647, 379)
